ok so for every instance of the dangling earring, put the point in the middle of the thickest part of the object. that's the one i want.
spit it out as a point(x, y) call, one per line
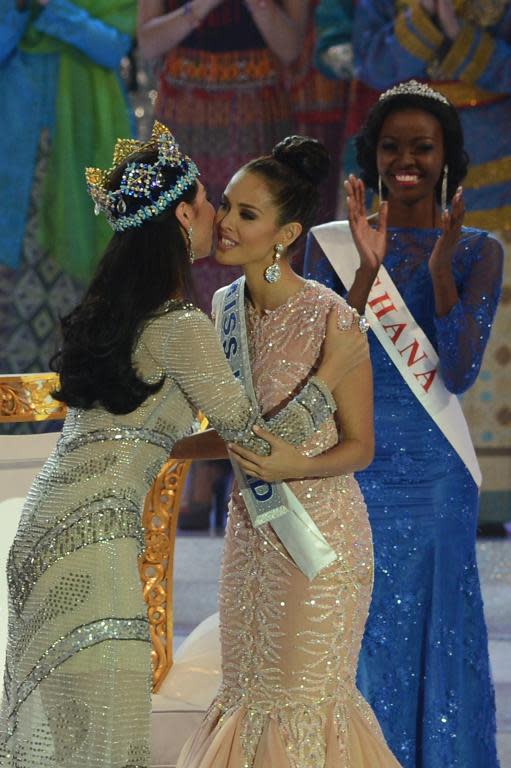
point(191, 252)
point(272, 273)
point(445, 179)
point(380, 189)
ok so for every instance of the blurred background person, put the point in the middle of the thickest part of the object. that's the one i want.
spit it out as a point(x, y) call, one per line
point(64, 104)
point(221, 87)
point(334, 59)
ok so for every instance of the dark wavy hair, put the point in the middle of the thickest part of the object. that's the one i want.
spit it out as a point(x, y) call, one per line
point(141, 268)
point(293, 172)
point(455, 154)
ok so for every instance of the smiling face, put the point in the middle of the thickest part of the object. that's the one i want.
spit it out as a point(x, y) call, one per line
point(247, 223)
point(410, 155)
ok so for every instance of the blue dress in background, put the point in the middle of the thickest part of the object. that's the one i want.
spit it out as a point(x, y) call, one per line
point(424, 665)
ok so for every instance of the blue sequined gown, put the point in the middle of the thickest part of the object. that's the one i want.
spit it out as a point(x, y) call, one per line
point(424, 666)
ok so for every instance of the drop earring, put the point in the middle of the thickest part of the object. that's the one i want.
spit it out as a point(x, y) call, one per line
point(272, 273)
point(191, 252)
point(443, 196)
point(380, 189)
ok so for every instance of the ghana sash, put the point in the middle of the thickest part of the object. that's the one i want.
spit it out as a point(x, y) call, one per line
point(403, 340)
point(272, 503)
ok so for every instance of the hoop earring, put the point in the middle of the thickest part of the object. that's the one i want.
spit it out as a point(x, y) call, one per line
point(445, 180)
point(272, 273)
point(191, 252)
point(380, 189)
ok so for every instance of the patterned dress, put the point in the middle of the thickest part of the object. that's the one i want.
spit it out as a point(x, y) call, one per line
point(290, 646)
point(424, 664)
point(77, 673)
point(220, 92)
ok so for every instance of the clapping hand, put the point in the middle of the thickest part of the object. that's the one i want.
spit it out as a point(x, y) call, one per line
point(445, 14)
point(445, 246)
point(371, 242)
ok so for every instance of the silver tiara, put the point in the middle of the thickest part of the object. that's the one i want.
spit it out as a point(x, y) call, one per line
point(414, 88)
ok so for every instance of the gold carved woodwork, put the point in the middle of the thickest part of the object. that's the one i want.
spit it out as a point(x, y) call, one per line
point(161, 511)
point(27, 397)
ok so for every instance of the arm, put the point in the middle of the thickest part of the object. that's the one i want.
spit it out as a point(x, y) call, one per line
point(334, 51)
point(354, 398)
point(199, 366)
point(371, 243)
point(103, 44)
point(390, 47)
point(159, 32)
point(478, 57)
point(13, 23)
point(283, 28)
point(462, 333)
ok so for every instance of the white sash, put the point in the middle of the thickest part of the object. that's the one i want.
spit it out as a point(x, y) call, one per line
point(272, 503)
point(403, 340)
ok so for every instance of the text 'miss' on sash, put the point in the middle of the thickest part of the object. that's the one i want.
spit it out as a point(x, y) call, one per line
point(272, 503)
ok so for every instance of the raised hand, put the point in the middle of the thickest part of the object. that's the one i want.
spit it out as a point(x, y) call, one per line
point(451, 222)
point(446, 15)
point(429, 6)
point(371, 242)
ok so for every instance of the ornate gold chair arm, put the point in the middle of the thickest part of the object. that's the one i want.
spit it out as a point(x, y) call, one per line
point(27, 397)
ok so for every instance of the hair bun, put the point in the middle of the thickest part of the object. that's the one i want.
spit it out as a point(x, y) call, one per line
point(307, 157)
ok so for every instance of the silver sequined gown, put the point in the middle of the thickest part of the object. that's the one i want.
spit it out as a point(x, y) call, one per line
point(290, 646)
point(77, 674)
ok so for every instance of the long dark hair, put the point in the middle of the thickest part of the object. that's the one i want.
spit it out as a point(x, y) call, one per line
point(141, 268)
point(454, 150)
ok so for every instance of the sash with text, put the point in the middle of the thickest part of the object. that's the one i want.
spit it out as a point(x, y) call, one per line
point(403, 339)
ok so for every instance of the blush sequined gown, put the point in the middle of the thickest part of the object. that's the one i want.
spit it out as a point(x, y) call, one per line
point(78, 663)
point(290, 646)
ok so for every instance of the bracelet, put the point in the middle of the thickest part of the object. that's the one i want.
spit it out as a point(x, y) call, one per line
point(189, 13)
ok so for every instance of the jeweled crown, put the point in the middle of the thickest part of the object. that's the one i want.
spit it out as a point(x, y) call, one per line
point(144, 191)
point(414, 88)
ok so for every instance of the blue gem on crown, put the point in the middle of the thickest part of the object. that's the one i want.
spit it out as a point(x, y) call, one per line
point(141, 183)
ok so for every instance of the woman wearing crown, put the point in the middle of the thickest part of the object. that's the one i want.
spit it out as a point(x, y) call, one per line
point(135, 363)
point(430, 288)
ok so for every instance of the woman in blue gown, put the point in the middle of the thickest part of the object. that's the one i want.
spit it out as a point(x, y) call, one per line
point(424, 665)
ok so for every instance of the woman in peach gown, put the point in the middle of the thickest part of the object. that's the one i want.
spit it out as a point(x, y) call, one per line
point(290, 644)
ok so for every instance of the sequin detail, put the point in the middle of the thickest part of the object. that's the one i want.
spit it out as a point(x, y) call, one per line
point(425, 645)
point(77, 640)
point(290, 645)
point(73, 566)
